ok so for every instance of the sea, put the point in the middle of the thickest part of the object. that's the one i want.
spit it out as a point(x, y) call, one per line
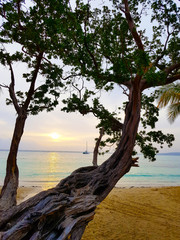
point(46, 168)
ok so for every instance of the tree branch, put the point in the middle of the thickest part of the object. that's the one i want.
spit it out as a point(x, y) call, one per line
point(165, 46)
point(175, 66)
point(34, 77)
point(11, 89)
point(173, 78)
point(70, 76)
point(87, 48)
point(132, 27)
point(79, 90)
point(124, 90)
point(4, 86)
point(169, 79)
point(92, 56)
point(19, 13)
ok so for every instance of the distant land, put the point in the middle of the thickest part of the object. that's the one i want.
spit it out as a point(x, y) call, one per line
point(20, 150)
point(169, 153)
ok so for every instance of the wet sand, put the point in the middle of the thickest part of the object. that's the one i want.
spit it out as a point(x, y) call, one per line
point(27, 192)
point(24, 193)
point(132, 214)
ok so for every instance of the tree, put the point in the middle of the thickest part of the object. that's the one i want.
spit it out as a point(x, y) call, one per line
point(110, 124)
point(170, 94)
point(33, 31)
point(133, 61)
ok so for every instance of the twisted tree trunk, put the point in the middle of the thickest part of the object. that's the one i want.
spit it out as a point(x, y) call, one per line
point(9, 190)
point(64, 211)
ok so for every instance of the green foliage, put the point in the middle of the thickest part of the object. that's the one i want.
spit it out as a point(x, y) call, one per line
point(174, 49)
point(36, 29)
point(165, 12)
point(6, 58)
point(104, 50)
point(150, 112)
point(74, 104)
point(107, 53)
point(112, 126)
point(155, 77)
point(141, 60)
point(96, 44)
point(145, 139)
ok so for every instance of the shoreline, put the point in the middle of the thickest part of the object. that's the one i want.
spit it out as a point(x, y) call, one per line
point(25, 192)
point(47, 185)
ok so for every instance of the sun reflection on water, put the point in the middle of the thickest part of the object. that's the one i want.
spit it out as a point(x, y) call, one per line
point(53, 160)
point(52, 168)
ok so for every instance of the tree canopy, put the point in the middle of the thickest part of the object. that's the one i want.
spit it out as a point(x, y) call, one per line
point(111, 53)
point(111, 47)
point(33, 32)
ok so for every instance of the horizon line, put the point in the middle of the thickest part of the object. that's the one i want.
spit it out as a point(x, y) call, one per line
point(77, 151)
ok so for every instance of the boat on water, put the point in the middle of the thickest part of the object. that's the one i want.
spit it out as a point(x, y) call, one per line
point(86, 151)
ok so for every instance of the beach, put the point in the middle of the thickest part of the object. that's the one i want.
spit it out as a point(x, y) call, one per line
point(132, 214)
point(137, 214)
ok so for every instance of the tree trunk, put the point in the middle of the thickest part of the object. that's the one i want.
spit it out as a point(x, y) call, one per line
point(9, 190)
point(64, 211)
point(95, 153)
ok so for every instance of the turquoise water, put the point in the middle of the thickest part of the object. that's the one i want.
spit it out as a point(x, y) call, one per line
point(46, 169)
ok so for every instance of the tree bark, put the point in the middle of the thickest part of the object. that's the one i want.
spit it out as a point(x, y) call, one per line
point(64, 211)
point(95, 152)
point(9, 190)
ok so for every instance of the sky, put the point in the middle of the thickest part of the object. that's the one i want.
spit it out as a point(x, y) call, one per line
point(59, 131)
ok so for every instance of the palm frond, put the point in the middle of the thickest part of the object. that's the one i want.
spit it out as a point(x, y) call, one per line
point(169, 94)
point(173, 111)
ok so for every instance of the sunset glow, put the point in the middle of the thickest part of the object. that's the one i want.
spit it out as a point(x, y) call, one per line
point(54, 135)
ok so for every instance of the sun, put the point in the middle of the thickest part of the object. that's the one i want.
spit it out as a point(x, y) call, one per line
point(54, 135)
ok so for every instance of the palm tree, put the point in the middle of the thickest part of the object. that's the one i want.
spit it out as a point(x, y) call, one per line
point(170, 94)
